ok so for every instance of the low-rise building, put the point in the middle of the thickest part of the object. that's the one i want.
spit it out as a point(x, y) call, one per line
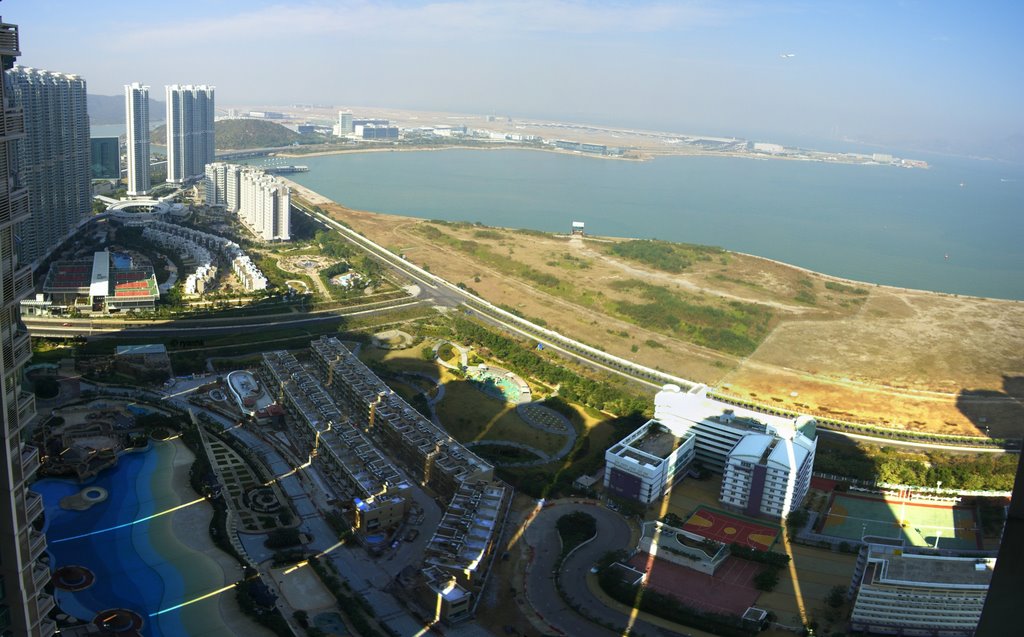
point(646, 463)
point(766, 459)
point(909, 594)
point(374, 493)
point(425, 450)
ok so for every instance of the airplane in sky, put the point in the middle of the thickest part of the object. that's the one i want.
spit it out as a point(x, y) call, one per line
point(786, 56)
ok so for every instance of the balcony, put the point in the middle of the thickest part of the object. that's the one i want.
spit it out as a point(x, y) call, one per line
point(33, 505)
point(44, 604)
point(26, 407)
point(9, 40)
point(40, 575)
point(47, 628)
point(36, 544)
point(23, 285)
point(13, 123)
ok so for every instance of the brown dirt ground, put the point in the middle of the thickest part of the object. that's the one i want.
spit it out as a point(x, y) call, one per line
point(894, 356)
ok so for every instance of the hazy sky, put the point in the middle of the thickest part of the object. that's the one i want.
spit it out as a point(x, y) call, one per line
point(930, 73)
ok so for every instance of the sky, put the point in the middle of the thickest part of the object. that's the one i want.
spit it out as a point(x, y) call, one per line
point(934, 75)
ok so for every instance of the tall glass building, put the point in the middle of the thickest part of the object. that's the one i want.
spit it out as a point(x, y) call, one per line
point(105, 154)
point(190, 137)
point(53, 157)
point(24, 602)
point(136, 111)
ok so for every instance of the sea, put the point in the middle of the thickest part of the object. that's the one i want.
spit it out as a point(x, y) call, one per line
point(956, 227)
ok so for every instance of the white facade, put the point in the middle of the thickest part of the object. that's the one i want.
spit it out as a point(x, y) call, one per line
point(261, 201)
point(930, 595)
point(725, 438)
point(53, 158)
point(767, 474)
point(136, 109)
point(190, 131)
point(344, 123)
point(646, 463)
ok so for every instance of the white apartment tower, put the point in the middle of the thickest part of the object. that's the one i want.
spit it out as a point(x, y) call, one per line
point(190, 131)
point(136, 111)
point(261, 201)
point(53, 157)
point(23, 578)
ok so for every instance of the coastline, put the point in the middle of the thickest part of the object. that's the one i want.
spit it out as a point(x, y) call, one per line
point(642, 155)
point(315, 198)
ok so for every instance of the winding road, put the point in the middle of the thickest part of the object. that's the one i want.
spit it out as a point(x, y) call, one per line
point(613, 533)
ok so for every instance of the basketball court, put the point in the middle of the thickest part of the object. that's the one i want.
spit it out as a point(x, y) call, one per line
point(729, 529)
point(944, 525)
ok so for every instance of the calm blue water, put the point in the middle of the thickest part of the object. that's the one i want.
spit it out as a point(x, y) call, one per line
point(878, 224)
point(130, 572)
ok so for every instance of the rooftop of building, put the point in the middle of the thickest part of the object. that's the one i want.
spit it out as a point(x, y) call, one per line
point(894, 567)
point(684, 409)
point(469, 525)
point(651, 444)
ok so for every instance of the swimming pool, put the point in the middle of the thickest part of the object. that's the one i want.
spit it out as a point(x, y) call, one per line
point(130, 571)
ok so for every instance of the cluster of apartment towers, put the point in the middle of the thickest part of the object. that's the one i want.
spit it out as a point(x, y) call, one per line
point(261, 201)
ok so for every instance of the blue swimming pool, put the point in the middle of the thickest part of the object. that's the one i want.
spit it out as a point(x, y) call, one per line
point(130, 572)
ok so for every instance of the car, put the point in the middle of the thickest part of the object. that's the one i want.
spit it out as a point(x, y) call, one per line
point(594, 570)
point(412, 535)
point(65, 324)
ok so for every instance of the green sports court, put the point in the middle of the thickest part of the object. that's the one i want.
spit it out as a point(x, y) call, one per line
point(918, 523)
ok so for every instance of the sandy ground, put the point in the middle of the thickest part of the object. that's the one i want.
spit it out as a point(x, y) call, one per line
point(209, 568)
point(892, 356)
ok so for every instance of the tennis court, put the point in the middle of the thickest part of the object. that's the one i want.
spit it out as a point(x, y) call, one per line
point(918, 523)
point(727, 528)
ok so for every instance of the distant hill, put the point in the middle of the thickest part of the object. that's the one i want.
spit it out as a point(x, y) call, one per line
point(240, 134)
point(109, 109)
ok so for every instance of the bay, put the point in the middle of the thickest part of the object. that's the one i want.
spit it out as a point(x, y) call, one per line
point(955, 227)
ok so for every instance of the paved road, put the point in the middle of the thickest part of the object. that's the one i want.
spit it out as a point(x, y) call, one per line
point(612, 534)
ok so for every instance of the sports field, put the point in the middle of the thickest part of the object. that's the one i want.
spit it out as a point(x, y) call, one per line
point(728, 528)
point(920, 524)
point(729, 591)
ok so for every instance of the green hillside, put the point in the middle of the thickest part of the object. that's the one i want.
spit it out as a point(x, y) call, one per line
point(240, 134)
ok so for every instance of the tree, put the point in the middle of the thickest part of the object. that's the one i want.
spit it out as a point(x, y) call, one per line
point(767, 579)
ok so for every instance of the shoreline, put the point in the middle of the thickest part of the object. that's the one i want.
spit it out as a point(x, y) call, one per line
point(642, 155)
point(315, 198)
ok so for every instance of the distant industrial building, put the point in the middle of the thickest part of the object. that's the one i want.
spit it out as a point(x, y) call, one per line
point(261, 201)
point(52, 158)
point(190, 131)
point(106, 157)
point(899, 593)
point(766, 459)
point(582, 147)
point(136, 99)
point(771, 149)
point(376, 131)
point(266, 115)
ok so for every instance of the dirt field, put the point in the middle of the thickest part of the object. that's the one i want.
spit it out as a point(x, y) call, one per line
point(904, 358)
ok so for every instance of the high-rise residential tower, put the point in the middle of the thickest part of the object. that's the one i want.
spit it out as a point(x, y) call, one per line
point(344, 123)
point(53, 157)
point(190, 136)
point(136, 112)
point(25, 603)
